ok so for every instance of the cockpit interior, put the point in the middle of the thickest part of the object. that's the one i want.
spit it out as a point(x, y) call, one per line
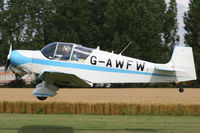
point(66, 51)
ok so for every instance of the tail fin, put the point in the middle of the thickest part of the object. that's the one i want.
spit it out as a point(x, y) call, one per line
point(183, 63)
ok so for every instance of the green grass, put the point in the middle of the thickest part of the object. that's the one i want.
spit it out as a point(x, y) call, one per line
point(40, 123)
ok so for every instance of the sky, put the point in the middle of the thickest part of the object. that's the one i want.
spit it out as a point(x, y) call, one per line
point(182, 6)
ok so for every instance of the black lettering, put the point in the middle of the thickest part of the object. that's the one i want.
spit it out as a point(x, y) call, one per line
point(140, 66)
point(119, 64)
point(93, 60)
point(128, 63)
point(101, 61)
point(109, 63)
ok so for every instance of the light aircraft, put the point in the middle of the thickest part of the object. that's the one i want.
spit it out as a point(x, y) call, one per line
point(59, 64)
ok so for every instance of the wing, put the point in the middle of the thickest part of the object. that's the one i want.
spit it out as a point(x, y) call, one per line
point(63, 79)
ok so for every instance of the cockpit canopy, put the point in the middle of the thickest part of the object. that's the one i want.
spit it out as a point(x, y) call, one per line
point(66, 51)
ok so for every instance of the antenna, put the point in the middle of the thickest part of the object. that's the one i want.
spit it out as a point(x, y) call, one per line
point(125, 48)
point(98, 48)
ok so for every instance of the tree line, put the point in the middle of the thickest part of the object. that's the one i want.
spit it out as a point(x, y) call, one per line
point(192, 36)
point(111, 24)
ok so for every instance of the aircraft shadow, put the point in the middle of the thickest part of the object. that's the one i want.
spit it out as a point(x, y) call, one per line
point(63, 129)
point(45, 129)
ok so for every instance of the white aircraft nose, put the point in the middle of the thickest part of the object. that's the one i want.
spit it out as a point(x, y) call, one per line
point(17, 59)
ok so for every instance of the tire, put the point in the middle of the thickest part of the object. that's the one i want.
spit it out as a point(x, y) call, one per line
point(41, 98)
point(181, 90)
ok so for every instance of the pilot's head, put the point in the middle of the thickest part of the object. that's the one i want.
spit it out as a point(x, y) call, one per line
point(66, 49)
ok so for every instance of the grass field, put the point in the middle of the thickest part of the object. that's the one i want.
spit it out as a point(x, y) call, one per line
point(68, 123)
point(131, 95)
point(26, 123)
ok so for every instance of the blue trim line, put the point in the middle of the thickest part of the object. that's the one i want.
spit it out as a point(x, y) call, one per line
point(41, 94)
point(180, 46)
point(18, 59)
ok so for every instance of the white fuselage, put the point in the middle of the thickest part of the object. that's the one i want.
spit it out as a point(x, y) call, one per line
point(99, 67)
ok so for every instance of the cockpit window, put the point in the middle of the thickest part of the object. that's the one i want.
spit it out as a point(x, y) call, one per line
point(63, 51)
point(84, 49)
point(57, 50)
point(80, 53)
point(49, 50)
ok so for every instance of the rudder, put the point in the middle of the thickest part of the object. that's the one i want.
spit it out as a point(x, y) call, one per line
point(183, 63)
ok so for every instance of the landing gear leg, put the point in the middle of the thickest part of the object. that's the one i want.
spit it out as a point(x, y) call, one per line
point(181, 89)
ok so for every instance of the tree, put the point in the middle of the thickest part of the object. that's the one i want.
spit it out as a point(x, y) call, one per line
point(171, 25)
point(140, 22)
point(170, 36)
point(192, 36)
point(150, 25)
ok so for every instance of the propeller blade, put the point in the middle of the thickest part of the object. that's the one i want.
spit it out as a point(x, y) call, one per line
point(7, 64)
point(8, 58)
point(10, 51)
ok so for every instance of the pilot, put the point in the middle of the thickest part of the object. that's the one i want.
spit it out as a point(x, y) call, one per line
point(66, 52)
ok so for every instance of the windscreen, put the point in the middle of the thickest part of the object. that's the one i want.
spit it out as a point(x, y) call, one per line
point(49, 50)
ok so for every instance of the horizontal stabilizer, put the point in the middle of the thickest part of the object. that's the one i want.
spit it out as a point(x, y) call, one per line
point(164, 67)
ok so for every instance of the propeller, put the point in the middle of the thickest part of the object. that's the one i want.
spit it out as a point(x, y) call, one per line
point(8, 58)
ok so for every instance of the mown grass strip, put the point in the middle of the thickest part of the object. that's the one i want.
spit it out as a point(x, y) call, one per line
point(67, 123)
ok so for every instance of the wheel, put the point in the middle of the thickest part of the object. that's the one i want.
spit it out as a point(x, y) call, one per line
point(41, 98)
point(181, 90)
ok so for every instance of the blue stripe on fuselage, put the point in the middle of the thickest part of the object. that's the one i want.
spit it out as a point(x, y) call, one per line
point(18, 59)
